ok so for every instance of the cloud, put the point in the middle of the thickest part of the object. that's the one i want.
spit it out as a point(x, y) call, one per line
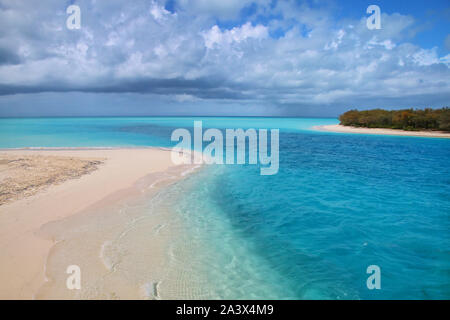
point(215, 36)
point(187, 55)
point(228, 9)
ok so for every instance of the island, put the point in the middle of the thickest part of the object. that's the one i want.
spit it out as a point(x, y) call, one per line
point(407, 122)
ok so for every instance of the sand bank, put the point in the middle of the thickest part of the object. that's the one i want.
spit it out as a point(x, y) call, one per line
point(80, 180)
point(347, 129)
point(25, 175)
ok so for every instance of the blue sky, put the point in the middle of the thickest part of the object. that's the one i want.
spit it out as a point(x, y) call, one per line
point(432, 18)
point(216, 57)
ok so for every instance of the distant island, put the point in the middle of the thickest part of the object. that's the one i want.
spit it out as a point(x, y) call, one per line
point(407, 119)
point(433, 123)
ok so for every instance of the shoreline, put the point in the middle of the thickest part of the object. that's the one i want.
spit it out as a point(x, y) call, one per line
point(381, 131)
point(125, 173)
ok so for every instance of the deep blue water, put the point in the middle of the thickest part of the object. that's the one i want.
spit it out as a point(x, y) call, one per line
point(340, 203)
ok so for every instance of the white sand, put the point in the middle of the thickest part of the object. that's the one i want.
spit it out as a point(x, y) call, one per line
point(347, 129)
point(22, 252)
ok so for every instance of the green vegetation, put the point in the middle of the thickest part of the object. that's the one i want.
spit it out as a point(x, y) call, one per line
point(407, 119)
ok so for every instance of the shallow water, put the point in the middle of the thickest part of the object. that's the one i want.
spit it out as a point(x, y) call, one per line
point(339, 203)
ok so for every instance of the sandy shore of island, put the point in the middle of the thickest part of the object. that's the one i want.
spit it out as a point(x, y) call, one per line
point(40, 187)
point(346, 129)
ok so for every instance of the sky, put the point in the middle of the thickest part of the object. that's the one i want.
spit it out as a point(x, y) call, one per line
point(222, 57)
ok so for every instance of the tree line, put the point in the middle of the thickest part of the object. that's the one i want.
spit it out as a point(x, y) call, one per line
point(407, 119)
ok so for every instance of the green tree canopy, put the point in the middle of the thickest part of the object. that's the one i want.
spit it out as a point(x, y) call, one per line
point(406, 119)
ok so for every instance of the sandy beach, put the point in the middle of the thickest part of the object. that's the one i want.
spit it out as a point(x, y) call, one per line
point(347, 129)
point(52, 185)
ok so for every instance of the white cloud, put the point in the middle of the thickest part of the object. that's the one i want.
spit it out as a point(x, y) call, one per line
point(446, 59)
point(334, 44)
point(142, 46)
point(387, 44)
point(425, 57)
point(237, 34)
point(158, 12)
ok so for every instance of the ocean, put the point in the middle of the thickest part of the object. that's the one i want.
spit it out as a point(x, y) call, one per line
point(339, 203)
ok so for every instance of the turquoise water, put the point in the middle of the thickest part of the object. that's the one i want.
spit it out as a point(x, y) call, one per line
point(339, 203)
point(118, 131)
